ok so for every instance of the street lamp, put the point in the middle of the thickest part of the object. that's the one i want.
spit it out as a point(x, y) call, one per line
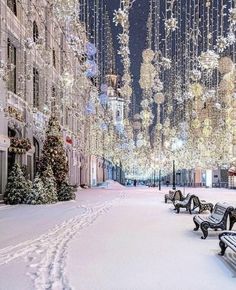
point(176, 145)
point(159, 179)
point(174, 183)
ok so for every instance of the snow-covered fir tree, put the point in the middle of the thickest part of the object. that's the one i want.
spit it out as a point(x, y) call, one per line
point(66, 192)
point(50, 185)
point(17, 186)
point(37, 195)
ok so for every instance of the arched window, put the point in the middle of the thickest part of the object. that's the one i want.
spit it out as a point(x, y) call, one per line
point(12, 5)
point(35, 32)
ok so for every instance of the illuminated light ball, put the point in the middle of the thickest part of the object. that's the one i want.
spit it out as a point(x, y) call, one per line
point(196, 124)
point(207, 131)
point(226, 65)
point(209, 60)
point(167, 144)
point(173, 132)
point(145, 103)
point(196, 89)
point(233, 114)
point(159, 127)
point(137, 117)
point(218, 106)
point(148, 55)
point(126, 78)
point(137, 125)
point(167, 122)
point(126, 91)
point(159, 98)
point(166, 131)
point(226, 87)
point(139, 143)
point(140, 136)
point(207, 122)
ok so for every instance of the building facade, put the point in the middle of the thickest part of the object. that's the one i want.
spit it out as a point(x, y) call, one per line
point(42, 72)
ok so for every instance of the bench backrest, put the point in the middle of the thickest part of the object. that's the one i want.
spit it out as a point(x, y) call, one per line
point(187, 198)
point(220, 212)
point(178, 195)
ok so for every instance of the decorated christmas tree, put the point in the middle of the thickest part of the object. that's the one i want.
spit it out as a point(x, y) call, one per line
point(66, 192)
point(17, 186)
point(37, 195)
point(53, 153)
point(50, 186)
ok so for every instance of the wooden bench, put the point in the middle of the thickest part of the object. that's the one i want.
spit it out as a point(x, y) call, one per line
point(227, 239)
point(232, 216)
point(174, 195)
point(217, 220)
point(201, 204)
point(186, 203)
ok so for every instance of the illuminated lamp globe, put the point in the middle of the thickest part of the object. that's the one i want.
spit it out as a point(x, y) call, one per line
point(226, 65)
point(159, 98)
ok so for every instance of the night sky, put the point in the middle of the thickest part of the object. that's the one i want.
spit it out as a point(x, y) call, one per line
point(138, 31)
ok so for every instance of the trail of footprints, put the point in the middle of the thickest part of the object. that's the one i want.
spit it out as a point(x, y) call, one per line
point(46, 255)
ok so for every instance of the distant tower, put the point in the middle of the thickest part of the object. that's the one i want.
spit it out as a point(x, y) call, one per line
point(116, 102)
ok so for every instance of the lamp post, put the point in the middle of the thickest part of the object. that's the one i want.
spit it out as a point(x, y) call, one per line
point(174, 183)
point(154, 177)
point(159, 179)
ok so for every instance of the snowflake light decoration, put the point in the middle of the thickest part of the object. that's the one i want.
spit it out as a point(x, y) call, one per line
point(171, 24)
point(222, 43)
point(208, 60)
point(120, 17)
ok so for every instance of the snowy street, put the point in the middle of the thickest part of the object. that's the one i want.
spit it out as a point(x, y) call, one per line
point(112, 239)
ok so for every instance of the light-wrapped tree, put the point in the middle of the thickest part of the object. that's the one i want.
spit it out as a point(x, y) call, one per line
point(53, 153)
point(17, 186)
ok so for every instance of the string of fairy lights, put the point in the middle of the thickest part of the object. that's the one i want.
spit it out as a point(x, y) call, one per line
point(187, 76)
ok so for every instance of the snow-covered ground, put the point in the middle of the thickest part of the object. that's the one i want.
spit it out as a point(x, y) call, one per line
point(112, 239)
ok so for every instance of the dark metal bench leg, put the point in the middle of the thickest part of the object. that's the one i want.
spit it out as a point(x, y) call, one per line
point(204, 228)
point(223, 248)
point(212, 206)
point(232, 222)
point(197, 226)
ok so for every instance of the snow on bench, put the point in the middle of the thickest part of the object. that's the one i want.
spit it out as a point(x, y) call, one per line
point(217, 220)
point(227, 239)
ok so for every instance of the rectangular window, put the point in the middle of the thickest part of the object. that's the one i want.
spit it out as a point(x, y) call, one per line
point(12, 5)
point(54, 57)
point(53, 102)
point(35, 88)
point(11, 57)
point(67, 117)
